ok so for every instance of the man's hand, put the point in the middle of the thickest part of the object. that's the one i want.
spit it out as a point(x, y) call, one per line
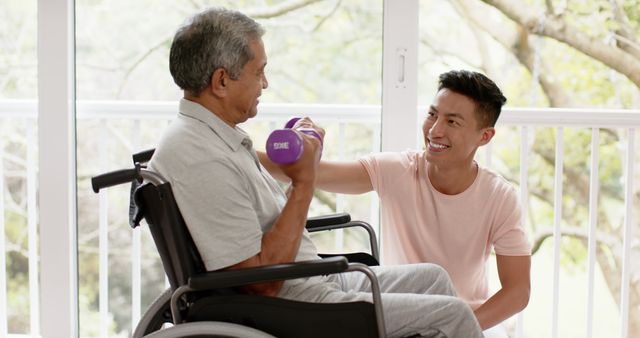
point(303, 171)
point(345, 177)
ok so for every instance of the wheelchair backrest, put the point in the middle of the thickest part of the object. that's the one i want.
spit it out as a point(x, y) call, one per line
point(178, 253)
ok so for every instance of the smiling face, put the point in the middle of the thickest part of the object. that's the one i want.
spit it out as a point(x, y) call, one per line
point(451, 131)
point(243, 92)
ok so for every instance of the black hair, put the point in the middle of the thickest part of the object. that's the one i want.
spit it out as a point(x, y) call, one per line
point(479, 88)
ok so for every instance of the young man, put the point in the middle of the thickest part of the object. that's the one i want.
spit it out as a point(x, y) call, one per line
point(237, 214)
point(440, 206)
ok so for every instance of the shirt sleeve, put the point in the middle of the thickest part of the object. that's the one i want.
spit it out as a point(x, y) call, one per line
point(385, 168)
point(370, 164)
point(219, 213)
point(509, 236)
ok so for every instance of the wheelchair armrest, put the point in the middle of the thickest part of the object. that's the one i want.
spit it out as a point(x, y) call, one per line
point(267, 273)
point(332, 223)
point(327, 220)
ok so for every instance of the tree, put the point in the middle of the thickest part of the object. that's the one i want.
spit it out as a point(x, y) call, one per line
point(613, 45)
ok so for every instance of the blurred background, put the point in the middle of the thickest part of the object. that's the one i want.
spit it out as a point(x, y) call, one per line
point(577, 61)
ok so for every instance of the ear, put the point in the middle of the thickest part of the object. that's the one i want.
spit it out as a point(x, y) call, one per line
point(487, 135)
point(219, 81)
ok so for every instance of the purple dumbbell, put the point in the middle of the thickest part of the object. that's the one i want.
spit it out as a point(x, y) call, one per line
point(285, 146)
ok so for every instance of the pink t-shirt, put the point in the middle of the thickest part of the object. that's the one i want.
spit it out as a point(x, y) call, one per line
point(457, 232)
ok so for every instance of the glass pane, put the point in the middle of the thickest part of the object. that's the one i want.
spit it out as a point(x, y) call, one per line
point(320, 55)
point(18, 168)
point(540, 71)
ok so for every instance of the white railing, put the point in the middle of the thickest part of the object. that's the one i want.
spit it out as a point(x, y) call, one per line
point(525, 119)
point(596, 120)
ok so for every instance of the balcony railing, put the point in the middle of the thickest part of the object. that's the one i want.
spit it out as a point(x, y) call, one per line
point(121, 128)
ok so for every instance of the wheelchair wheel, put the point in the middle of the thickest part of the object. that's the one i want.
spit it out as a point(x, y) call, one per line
point(157, 315)
point(209, 329)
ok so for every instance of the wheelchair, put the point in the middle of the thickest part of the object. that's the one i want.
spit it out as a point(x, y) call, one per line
point(202, 303)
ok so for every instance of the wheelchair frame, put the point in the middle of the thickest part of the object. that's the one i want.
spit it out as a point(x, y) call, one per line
point(173, 300)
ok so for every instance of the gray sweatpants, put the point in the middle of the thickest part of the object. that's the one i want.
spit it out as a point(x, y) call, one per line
point(417, 299)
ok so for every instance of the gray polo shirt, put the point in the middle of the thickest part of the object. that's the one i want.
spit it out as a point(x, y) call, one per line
point(227, 199)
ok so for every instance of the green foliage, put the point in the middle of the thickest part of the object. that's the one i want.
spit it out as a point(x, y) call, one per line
point(18, 303)
point(632, 9)
point(573, 254)
point(591, 17)
point(590, 84)
point(312, 42)
point(18, 64)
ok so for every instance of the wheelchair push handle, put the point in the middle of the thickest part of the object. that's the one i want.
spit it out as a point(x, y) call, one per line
point(114, 178)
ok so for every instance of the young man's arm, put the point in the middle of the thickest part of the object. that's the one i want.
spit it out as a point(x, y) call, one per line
point(340, 177)
point(514, 273)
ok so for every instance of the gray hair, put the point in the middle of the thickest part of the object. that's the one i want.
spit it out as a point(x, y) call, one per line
point(212, 39)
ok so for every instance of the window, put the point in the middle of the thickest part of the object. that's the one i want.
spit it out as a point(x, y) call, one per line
point(325, 61)
point(19, 297)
